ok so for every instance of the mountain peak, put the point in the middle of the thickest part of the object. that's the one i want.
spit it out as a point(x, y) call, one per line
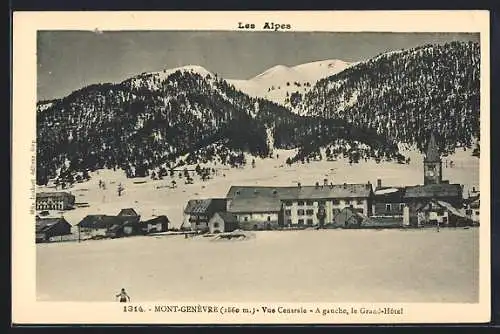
point(273, 71)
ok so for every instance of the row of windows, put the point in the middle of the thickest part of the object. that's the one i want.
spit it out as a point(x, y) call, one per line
point(51, 206)
point(246, 218)
point(334, 202)
point(300, 221)
point(310, 212)
point(389, 207)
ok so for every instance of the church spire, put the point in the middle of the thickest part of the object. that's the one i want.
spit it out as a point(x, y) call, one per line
point(432, 154)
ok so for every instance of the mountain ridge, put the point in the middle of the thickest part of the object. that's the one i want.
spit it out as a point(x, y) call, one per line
point(156, 121)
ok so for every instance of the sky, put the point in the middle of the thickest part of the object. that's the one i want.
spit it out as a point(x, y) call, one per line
point(70, 60)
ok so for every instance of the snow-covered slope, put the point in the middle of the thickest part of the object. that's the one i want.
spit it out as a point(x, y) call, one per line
point(279, 82)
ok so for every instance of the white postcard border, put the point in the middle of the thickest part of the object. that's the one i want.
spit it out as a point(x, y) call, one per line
point(25, 308)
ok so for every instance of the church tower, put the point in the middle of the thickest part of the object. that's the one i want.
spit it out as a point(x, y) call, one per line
point(433, 167)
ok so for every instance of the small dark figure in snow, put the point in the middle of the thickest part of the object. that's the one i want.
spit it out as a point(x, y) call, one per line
point(123, 296)
point(120, 189)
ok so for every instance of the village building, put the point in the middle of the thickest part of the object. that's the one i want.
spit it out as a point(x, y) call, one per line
point(441, 213)
point(198, 212)
point(471, 209)
point(223, 222)
point(267, 207)
point(388, 201)
point(47, 228)
point(156, 224)
point(93, 226)
point(256, 208)
point(60, 200)
point(434, 189)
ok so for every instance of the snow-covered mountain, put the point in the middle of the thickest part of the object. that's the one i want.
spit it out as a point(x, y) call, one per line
point(406, 94)
point(282, 84)
point(148, 123)
point(155, 122)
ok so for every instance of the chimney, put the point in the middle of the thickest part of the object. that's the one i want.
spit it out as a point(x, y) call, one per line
point(379, 183)
point(299, 185)
point(317, 185)
point(345, 185)
point(325, 182)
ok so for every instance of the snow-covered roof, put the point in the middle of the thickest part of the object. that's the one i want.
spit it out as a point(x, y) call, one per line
point(386, 191)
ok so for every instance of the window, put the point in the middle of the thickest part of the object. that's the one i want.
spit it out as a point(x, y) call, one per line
point(309, 212)
point(288, 203)
point(309, 222)
point(359, 201)
point(477, 212)
point(268, 218)
point(216, 225)
point(288, 212)
point(301, 221)
point(468, 212)
point(445, 220)
point(309, 203)
point(300, 203)
point(246, 218)
point(321, 202)
point(335, 211)
point(387, 207)
point(335, 202)
point(401, 206)
point(289, 222)
point(300, 212)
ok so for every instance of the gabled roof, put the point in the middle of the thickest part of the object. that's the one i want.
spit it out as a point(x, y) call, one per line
point(45, 224)
point(128, 212)
point(304, 192)
point(260, 204)
point(227, 217)
point(104, 221)
point(156, 220)
point(441, 204)
point(432, 154)
point(55, 194)
point(434, 191)
point(202, 206)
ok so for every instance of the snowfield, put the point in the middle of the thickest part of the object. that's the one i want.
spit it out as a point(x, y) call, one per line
point(295, 266)
point(286, 266)
point(278, 82)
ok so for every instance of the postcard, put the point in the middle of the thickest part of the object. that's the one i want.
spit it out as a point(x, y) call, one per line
point(251, 167)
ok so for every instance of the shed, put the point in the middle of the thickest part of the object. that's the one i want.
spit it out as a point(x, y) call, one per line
point(46, 228)
point(157, 224)
point(105, 225)
point(223, 222)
